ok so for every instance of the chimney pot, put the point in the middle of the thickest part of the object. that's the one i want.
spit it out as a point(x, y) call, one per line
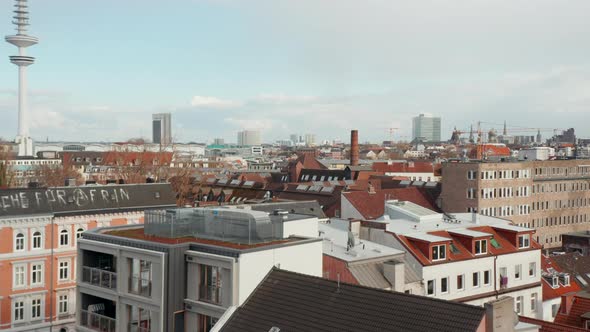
point(354, 148)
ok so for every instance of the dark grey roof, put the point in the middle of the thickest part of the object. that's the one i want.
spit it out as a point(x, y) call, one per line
point(85, 199)
point(295, 302)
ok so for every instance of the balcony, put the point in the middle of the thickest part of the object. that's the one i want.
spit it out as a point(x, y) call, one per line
point(140, 286)
point(97, 322)
point(211, 294)
point(99, 277)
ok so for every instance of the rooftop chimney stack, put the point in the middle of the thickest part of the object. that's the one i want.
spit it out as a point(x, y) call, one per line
point(354, 148)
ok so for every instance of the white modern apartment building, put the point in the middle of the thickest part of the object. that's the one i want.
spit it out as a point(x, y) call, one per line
point(249, 138)
point(185, 267)
point(426, 128)
point(464, 257)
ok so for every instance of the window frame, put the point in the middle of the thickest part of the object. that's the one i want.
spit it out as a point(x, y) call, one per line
point(63, 301)
point(41, 272)
point(39, 307)
point(21, 308)
point(65, 268)
point(438, 252)
point(485, 247)
point(532, 269)
point(489, 274)
point(444, 283)
point(462, 278)
point(64, 233)
point(534, 299)
point(24, 276)
point(524, 237)
point(475, 281)
point(518, 269)
point(20, 240)
point(428, 292)
point(37, 236)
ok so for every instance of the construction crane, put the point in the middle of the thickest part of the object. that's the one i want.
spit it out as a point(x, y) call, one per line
point(391, 131)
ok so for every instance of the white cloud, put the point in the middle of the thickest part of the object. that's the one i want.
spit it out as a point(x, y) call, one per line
point(213, 102)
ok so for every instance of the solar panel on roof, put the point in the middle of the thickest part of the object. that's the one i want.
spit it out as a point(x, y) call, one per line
point(404, 183)
point(248, 183)
point(430, 184)
point(418, 183)
point(236, 182)
point(302, 187)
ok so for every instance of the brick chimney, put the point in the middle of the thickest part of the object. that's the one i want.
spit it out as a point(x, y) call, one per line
point(354, 148)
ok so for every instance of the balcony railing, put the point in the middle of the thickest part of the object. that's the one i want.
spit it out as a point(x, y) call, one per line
point(140, 286)
point(211, 294)
point(98, 277)
point(97, 322)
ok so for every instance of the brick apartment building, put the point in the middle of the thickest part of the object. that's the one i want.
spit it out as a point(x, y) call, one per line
point(552, 196)
point(39, 233)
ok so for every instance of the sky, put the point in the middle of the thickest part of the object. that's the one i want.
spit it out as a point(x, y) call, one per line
point(298, 66)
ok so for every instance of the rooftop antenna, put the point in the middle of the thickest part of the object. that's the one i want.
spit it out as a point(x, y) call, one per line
point(22, 41)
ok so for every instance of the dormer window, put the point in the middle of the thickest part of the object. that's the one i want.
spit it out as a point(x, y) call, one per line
point(481, 247)
point(555, 282)
point(524, 241)
point(439, 252)
point(565, 279)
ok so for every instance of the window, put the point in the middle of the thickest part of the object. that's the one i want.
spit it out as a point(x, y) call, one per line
point(461, 282)
point(486, 277)
point(517, 271)
point(36, 308)
point(444, 285)
point(439, 252)
point(430, 287)
point(64, 237)
point(19, 278)
point(481, 247)
point(471, 193)
point(36, 274)
point(19, 310)
point(37, 237)
point(565, 279)
point(62, 304)
point(475, 279)
point(534, 302)
point(532, 269)
point(210, 283)
point(524, 241)
point(64, 270)
point(79, 232)
point(471, 175)
point(518, 305)
point(19, 242)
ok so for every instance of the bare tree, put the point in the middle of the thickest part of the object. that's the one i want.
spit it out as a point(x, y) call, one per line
point(55, 175)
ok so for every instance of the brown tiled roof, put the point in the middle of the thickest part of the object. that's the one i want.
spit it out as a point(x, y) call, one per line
point(372, 205)
point(310, 162)
point(549, 326)
point(463, 253)
point(580, 306)
point(295, 302)
point(550, 292)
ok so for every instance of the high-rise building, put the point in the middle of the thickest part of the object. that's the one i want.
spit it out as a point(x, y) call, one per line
point(310, 139)
point(22, 41)
point(426, 128)
point(162, 128)
point(551, 196)
point(294, 138)
point(249, 138)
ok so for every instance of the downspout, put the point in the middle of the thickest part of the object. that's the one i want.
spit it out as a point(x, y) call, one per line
point(495, 278)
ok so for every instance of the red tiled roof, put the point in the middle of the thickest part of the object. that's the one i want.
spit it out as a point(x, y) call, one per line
point(464, 253)
point(372, 206)
point(489, 150)
point(550, 292)
point(310, 162)
point(580, 306)
point(549, 326)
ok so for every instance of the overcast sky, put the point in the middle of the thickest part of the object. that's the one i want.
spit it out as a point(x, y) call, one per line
point(298, 66)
